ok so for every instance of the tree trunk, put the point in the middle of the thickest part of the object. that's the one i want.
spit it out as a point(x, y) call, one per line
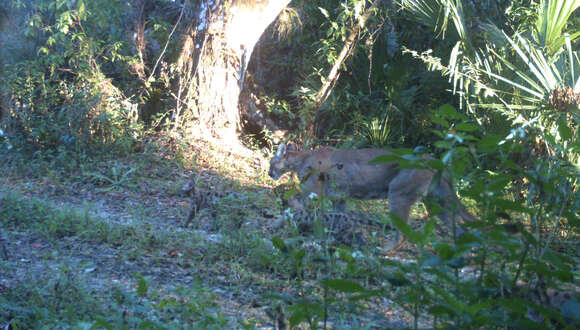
point(224, 54)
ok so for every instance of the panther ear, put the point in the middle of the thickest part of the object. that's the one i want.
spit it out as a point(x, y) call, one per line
point(281, 150)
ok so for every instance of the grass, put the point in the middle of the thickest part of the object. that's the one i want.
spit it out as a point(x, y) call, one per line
point(105, 242)
point(49, 301)
point(127, 208)
point(98, 214)
point(64, 300)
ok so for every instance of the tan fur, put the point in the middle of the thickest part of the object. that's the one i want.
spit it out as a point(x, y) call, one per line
point(339, 174)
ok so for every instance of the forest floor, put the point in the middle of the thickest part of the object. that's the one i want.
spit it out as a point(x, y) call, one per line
point(106, 243)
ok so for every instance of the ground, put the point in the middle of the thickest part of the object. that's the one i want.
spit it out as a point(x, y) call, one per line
point(106, 243)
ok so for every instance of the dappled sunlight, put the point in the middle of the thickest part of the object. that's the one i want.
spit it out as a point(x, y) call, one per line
point(233, 160)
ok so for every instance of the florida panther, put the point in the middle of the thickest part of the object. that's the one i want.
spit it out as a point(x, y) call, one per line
point(341, 173)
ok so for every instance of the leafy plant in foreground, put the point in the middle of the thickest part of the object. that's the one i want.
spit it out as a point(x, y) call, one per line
point(497, 274)
point(490, 275)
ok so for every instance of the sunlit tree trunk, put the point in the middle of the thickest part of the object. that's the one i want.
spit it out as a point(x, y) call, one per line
point(229, 38)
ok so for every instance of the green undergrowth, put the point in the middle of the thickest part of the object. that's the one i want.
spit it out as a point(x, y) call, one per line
point(293, 275)
point(51, 223)
point(243, 259)
point(66, 297)
point(63, 299)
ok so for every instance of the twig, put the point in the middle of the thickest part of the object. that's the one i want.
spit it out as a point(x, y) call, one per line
point(330, 81)
point(166, 44)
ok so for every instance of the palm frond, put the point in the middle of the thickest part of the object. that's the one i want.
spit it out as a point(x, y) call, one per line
point(552, 18)
point(518, 73)
point(428, 12)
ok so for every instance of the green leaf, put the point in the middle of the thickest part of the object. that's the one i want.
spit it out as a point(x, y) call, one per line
point(443, 144)
point(319, 229)
point(445, 251)
point(435, 164)
point(552, 19)
point(147, 325)
point(504, 204)
point(476, 308)
point(465, 127)
point(397, 279)
point(141, 285)
point(366, 295)
point(459, 167)
point(402, 151)
point(101, 323)
point(529, 238)
point(564, 130)
point(429, 228)
point(450, 299)
point(297, 317)
point(343, 285)
point(449, 112)
point(513, 304)
point(291, 192)
point(279, 244)
point(298, 255)
point(404, 228)
point(81, 7)
point(489, 143)
point(441, 310)
point(440, 121)
point(324, 12)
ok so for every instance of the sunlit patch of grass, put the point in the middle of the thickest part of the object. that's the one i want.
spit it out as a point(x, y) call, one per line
point(53, 223)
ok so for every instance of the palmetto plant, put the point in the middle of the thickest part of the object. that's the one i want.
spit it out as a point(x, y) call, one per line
point(532, 77)
point(377, 131)
point(552, 19)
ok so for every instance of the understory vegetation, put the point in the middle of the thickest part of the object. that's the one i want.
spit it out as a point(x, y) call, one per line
point(120, 207)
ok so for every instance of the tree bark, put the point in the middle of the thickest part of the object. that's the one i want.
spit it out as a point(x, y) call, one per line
point(228, 42)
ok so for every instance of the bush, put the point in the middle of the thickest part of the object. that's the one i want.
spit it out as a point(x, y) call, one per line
point(60, 100)
point(500, 273)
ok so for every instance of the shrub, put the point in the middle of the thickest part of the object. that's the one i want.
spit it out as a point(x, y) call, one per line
point(60, 99)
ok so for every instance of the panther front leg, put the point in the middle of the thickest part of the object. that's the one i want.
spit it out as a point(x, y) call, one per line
point(403, 193)
point(399, 205)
